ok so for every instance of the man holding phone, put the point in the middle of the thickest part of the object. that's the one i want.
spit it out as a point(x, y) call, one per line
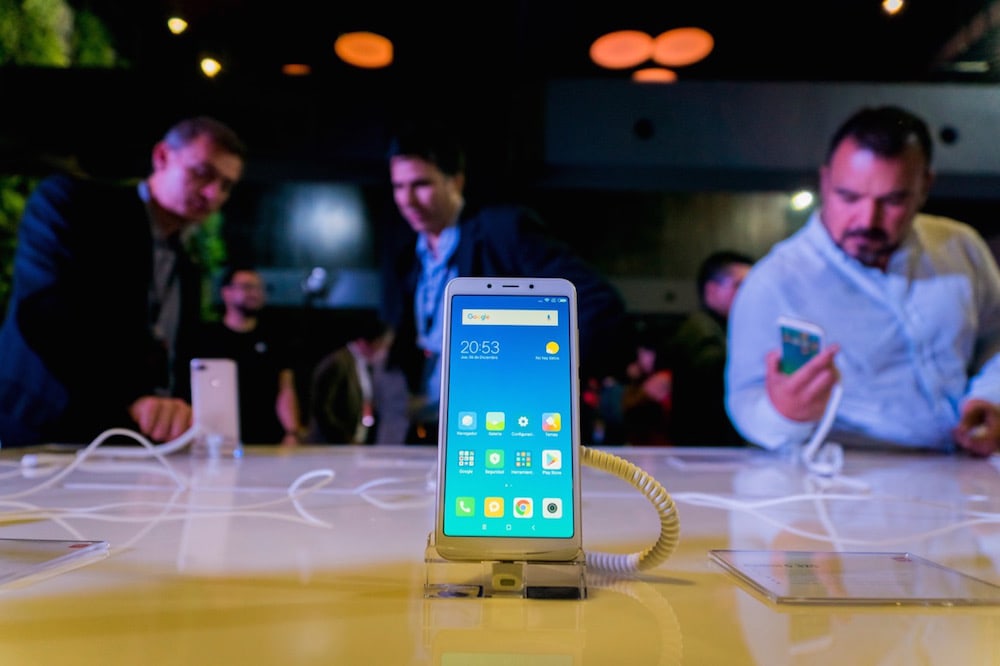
point(908, 304)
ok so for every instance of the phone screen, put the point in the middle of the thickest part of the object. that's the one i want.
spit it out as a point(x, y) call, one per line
point(507, 427)
point(799, 343)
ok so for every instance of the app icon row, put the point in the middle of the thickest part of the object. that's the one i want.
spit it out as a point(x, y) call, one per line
point(497, 421)
point(552, 459)
point(496, 507)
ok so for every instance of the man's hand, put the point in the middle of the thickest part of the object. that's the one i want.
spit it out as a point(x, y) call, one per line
point(161, 419)
point(978, 429)
point(802, 395)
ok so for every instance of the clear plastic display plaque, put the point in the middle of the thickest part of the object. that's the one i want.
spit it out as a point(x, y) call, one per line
point(862, 578)
point(495, 578)
point(23, 561)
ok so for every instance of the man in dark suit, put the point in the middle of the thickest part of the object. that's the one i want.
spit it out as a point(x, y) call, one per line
point(451, 239)
point(105, 299)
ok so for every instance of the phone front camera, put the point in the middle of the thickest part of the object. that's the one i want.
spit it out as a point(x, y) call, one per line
point(489, 285)
point(531, 286)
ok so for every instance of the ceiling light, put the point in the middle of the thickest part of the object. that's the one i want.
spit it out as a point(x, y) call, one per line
point(654, 75)
point(210, 66)
point(364, 49)
point(296, 69)
point(801, 200)
point(682, 46)
point(892, 7)
point(621, 49)
point(176, 25)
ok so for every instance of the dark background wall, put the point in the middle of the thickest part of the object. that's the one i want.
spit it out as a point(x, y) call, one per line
point(644, 180)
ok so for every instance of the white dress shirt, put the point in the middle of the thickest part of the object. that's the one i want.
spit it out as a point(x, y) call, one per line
point(916, 340)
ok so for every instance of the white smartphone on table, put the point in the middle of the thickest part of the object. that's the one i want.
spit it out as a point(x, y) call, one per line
point(800, 341)
point(215, 406)
point(509, 434)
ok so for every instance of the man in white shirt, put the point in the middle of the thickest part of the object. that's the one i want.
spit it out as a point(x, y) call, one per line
point(909, 303)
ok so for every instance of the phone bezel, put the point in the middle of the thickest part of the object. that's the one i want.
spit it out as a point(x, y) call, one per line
point(509, 548)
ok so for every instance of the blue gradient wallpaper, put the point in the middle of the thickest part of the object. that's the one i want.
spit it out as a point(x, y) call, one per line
point(509, 418)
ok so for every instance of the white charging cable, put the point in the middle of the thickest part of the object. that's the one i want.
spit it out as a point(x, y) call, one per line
point(818, 455)
point(147, 449)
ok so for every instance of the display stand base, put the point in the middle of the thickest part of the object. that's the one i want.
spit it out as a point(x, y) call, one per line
point(498, 578)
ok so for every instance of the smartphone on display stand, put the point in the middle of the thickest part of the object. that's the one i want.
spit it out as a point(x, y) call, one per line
point(509, 443)
point(216, 407)
point(800, 341)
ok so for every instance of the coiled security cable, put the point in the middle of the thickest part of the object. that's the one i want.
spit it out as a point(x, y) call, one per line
point(669, 536)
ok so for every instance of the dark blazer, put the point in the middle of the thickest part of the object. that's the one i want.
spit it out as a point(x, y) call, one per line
point(507, 241)
point(76, 346)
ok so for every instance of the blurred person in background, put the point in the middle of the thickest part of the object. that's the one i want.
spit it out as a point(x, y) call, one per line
point(696, 356)
point(269, 403)
point(349, 404)
point(449, 237)
point(647, 395)
point(106, 299)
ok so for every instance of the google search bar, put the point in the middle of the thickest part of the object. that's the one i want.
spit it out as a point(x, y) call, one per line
point(472, 317)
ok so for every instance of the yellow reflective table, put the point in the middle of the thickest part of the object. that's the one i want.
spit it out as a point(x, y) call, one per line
point(315, 556)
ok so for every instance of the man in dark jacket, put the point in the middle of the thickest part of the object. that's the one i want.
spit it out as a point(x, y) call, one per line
point(105, 299)
point(451, 239)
